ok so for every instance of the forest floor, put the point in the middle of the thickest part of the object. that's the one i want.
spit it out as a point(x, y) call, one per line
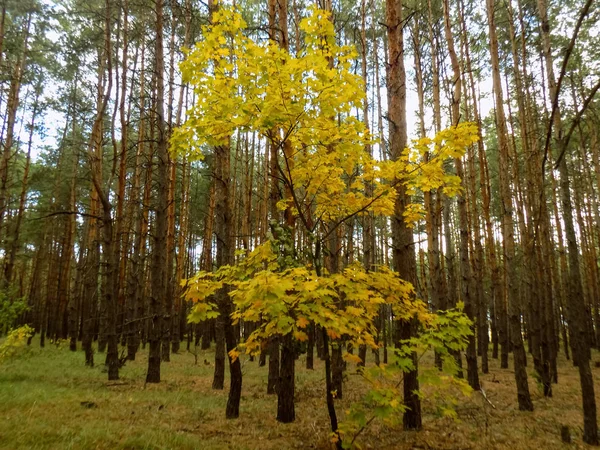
point(50, 400)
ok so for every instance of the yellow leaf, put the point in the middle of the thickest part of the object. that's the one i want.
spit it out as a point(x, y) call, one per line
point(300, 336)
point(334, 438)
point(234, 354)
point(333, 335)
point(352, 358)
point(302, 322)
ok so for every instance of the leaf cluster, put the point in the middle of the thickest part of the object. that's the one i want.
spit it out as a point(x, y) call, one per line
point(446, 332)
point(284, 301)
point(304, 105)
point(14, 342)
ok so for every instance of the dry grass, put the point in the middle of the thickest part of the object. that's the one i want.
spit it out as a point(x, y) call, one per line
point(43, 395)
point(500, 425)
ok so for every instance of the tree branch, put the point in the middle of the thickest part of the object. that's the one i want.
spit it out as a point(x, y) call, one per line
point(67, 213)
point(563, 71)
point(576, 121)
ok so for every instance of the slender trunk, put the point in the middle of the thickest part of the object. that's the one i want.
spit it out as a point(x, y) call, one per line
point(136, 217)
point(510, 264)
point(15, 244)
point(11, 112)
point(478, 257)
point(465, 264)
point(225, 255)
point(108, 244)
point(121, 229)
point(402, 238)
point(159, 251)
point(576, 312)
point(286, 412)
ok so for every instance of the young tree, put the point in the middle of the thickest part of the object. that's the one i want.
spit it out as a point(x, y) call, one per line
point(309, 98)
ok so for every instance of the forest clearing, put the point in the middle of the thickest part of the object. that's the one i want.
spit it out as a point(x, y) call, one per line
point(49, 401)
point(375, 223)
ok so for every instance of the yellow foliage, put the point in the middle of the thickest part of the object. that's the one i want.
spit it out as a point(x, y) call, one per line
point(285, 301)
point(15, 341)
point(352, 358)
point(300, 336)
point(243, 85)
point(304, 104)
point(302, 322)
point(234, 354)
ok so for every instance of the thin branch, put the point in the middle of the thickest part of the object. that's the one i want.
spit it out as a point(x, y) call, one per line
point(563, 71)
point(486, 398)
point(576, 121)
point(67, 213)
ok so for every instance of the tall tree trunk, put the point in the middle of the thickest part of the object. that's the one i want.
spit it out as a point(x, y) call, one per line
point(510, 264)
point(121, 229)
point(368, 219)
point(181, 260)
point(159, 251)
point(576, 312)
point(402, 238)
point(16, 244)
point(11, 110)
point(108, 250)
point(136, 217)
point(274, 197)
point(465, 264)
point(478, 258)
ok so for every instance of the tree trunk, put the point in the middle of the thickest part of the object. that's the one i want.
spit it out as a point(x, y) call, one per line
point(159, 251)
point(402, 239)
point(465, 264)
point(510, 263)
point(576, 312)
point(286, 412)
point(11, 112)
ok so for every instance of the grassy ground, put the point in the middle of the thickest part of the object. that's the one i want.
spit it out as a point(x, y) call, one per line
point(50, 400)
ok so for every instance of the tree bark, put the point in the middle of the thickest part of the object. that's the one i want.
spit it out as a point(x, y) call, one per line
point(402, 240)
point(159, 252)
